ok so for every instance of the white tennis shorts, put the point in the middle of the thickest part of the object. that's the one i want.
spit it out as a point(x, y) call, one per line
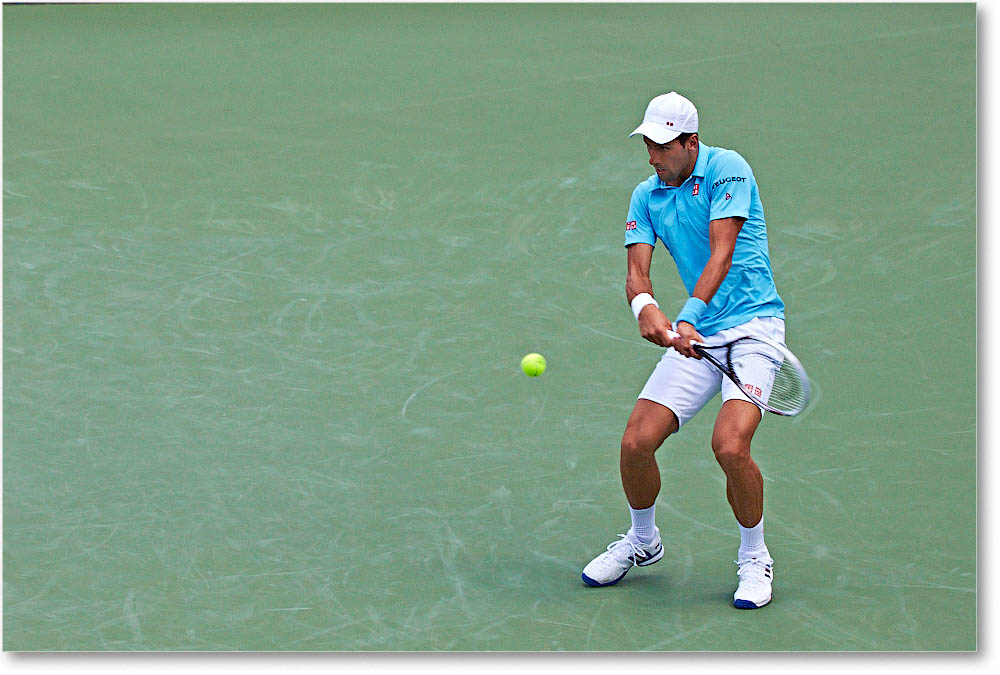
point(686, 384)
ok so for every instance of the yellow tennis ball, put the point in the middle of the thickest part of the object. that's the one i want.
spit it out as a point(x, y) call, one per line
point(533, 365)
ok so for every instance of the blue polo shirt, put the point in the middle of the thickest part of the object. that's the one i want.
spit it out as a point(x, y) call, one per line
point(721, 186)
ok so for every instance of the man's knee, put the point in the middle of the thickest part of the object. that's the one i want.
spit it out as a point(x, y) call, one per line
point(731, 451)
point(637, 446)
point(734, 429)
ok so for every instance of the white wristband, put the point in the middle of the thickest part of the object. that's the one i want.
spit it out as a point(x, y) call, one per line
point(640, 301)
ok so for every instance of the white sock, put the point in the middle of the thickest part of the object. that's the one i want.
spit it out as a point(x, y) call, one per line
point(643, 524)
point(752, 541)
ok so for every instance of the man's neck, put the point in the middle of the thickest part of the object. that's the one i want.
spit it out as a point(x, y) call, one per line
point(687, 171)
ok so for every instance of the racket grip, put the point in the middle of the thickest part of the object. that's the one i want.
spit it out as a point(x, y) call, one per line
point(673, 334)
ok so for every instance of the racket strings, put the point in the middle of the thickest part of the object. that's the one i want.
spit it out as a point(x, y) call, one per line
point(787, 392)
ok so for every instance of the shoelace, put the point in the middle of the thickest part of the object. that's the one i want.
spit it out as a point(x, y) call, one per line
point(752, 570)
point(637, 552)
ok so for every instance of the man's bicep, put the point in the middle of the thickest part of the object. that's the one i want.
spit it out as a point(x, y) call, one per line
point(722, 232)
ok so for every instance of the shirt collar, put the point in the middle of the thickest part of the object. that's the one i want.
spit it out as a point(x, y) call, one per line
point(701, 162)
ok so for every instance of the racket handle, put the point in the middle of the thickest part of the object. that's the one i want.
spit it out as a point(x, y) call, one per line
point(673, 334)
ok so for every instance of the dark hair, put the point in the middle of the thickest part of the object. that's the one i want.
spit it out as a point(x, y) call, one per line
point(683, 138)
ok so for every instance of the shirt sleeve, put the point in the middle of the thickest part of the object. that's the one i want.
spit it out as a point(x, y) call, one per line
point(638, 227)
point(730, 191)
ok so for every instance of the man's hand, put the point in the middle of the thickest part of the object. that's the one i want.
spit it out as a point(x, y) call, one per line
point(682, 343)
point(653, 325)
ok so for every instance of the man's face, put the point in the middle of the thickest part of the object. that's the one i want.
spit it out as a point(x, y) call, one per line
point(673, 162)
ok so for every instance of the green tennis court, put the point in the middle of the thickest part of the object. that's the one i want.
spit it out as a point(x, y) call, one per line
point(269, 271)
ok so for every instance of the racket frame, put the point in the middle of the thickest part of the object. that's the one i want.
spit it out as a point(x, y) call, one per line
point(727, 370)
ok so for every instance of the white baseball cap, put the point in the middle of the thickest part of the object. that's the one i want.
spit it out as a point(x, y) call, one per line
point(667, 117)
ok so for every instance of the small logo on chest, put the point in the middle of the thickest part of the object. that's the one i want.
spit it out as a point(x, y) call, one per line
point(694, 190)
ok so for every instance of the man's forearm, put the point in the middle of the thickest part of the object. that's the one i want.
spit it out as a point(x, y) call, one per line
point(636, 285)
point(712, 276)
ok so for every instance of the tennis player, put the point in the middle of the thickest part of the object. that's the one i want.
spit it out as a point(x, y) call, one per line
point(703, 204)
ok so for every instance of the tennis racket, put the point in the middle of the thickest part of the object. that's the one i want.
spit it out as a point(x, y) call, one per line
point(765, 371)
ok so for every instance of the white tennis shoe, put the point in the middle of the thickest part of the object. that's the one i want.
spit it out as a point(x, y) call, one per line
point(612, 565)
point(754, 590)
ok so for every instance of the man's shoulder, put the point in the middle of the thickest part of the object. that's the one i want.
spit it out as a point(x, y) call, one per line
point(724, 163)
point(721, 158)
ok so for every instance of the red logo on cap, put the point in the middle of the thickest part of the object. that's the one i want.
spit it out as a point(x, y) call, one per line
point(669, 124)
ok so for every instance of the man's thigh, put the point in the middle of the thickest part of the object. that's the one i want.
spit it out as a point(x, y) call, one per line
point(683, 385)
